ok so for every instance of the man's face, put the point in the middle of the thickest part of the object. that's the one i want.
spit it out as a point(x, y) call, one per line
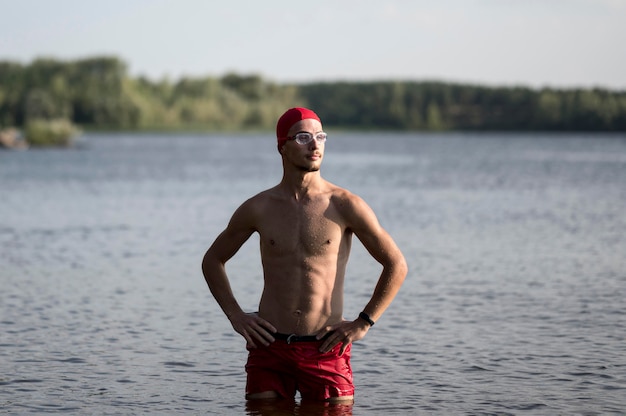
point(307, 157)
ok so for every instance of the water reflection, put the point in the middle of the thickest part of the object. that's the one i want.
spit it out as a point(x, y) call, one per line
point(286, 407)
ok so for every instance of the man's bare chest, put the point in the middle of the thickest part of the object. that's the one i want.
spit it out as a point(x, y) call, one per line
point(310, 229)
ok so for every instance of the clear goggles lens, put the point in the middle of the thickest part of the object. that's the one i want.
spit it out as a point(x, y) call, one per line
point(306, 138)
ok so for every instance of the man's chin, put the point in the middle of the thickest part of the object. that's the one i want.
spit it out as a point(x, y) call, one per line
point(310, 168)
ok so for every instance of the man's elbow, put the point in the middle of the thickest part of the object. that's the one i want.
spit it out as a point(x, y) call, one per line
point(400, 268)
point(209, 262)
point(396, 267)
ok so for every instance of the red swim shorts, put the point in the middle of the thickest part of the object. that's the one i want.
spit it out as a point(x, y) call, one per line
point(299, 366)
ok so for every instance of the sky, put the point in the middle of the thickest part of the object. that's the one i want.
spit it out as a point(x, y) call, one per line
point(533, 43)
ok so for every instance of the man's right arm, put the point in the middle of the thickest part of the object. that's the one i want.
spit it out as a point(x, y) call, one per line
point(249, 325)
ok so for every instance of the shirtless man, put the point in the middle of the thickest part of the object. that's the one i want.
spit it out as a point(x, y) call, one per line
point(299, 340)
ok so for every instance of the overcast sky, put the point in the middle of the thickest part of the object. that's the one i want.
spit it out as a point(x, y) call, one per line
point(536, 43)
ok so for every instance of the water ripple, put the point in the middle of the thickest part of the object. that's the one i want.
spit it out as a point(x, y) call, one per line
point(513, 304)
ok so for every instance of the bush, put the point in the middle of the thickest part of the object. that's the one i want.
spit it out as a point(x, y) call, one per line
point(60, 132)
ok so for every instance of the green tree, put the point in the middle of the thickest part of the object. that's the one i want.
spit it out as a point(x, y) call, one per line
point(548, 112)
point(434, 120)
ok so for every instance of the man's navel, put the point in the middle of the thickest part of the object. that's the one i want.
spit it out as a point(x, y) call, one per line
point(298, 315)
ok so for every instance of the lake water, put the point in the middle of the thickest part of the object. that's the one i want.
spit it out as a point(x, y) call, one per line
point(514, 303)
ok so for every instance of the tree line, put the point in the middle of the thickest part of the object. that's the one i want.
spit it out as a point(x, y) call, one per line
point(98, 93)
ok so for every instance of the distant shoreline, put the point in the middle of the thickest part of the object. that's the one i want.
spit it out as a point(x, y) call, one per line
point(97, 93)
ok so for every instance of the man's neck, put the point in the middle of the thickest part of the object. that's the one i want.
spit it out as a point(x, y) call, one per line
point(302, 184)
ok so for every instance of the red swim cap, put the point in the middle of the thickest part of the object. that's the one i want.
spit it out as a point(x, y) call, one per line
point(291, 117)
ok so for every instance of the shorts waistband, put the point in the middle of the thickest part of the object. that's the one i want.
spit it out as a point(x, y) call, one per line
point(289, 338)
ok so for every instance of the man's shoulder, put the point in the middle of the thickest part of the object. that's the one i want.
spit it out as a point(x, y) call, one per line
point(254, 208)
point(267, 194)
point(343, 197)
point(261, 199)
point(355, 212)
